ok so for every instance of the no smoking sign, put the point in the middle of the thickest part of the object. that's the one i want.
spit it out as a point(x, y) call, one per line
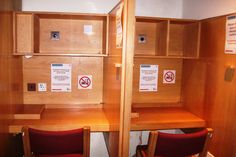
point(169, 76)
point(85, 82)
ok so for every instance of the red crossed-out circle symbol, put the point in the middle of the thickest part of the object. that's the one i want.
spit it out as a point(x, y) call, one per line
point(169, 76)
point(84, 82)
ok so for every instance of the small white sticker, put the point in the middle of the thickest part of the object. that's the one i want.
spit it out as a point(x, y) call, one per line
point(169, 76)
point(85, 82)
point(88, 29)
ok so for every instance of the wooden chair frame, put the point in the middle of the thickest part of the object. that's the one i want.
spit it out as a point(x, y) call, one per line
point(152, 141)
point(27, 149)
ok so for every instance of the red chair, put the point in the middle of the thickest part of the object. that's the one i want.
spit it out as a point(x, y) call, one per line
point(175, 145)
point(71, 143)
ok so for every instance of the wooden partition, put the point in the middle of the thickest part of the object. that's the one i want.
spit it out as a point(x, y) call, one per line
point(10, 75)
point(38, 70)
point(112, 86)
point(118, 79)
point(206, 92)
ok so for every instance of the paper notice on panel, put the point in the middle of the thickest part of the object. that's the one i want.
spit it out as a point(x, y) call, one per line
point(230, 45)
point(148, 81)
point(119, 30)
point(61, 77)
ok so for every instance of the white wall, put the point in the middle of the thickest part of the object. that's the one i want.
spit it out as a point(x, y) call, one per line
point(201, 9)
point(81, 6)
point(159, 8)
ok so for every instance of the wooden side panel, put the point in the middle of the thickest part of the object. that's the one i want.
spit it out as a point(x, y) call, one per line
point(191, 40)
point(38, 70)
point(112, 89)
point(207, 78)
point(9, 68)
point(176, 40)
point(194, 78)
point(167, 93)
point(184, 39)
point(162, 38)
point(73, 37)
point(220, 94)
point(24, 33)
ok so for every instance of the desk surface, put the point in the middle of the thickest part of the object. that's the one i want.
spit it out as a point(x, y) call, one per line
point(149, 119)
point(165, 118)
point(65, 119)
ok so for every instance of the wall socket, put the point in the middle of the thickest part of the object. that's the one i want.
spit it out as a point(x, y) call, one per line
point(31, 87)
point(42, 87)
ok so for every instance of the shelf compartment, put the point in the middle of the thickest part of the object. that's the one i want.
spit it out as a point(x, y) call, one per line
point(154, 31)
point(77, 34)
point(184, 38)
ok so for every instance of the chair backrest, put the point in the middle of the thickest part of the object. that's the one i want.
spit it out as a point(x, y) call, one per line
point(39, 142)
point(179, 145)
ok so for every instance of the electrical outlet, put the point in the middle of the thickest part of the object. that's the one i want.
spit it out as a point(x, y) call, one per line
point(31, 87)
point(42, 87)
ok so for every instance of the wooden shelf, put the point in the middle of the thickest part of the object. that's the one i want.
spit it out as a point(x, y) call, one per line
point(184, 38)
point(30, 112)
point(167, 38)
point(77, 33)
point(163, 57)
point(69, 55)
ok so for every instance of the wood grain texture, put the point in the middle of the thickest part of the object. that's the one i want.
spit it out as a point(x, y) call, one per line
point(10, 67)
point(156, 38)
point(166, 92)
point(165, 118)
point(183, 39)
point(29, 112)
point(112, 87)
point(127, 75)
point(54, 119)
point(38, 70)
point(72, 36)
point(220, 109)
point(24, 38)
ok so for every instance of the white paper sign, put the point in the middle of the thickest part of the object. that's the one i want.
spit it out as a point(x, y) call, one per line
point(61, 77)
point(148, 78)
point(119, 30)
point(85, 82)
point(88, 29)
point(169, 76)
point(230, 45)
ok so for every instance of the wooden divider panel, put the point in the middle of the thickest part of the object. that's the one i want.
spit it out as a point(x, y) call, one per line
point(11, 97)
point(24, 28)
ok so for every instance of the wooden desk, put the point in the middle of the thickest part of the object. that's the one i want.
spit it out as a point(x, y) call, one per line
point(164, 118)
point(64, 119)
point(149, 119)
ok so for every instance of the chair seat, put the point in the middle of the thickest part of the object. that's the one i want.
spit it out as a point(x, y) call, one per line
point(61, 155)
